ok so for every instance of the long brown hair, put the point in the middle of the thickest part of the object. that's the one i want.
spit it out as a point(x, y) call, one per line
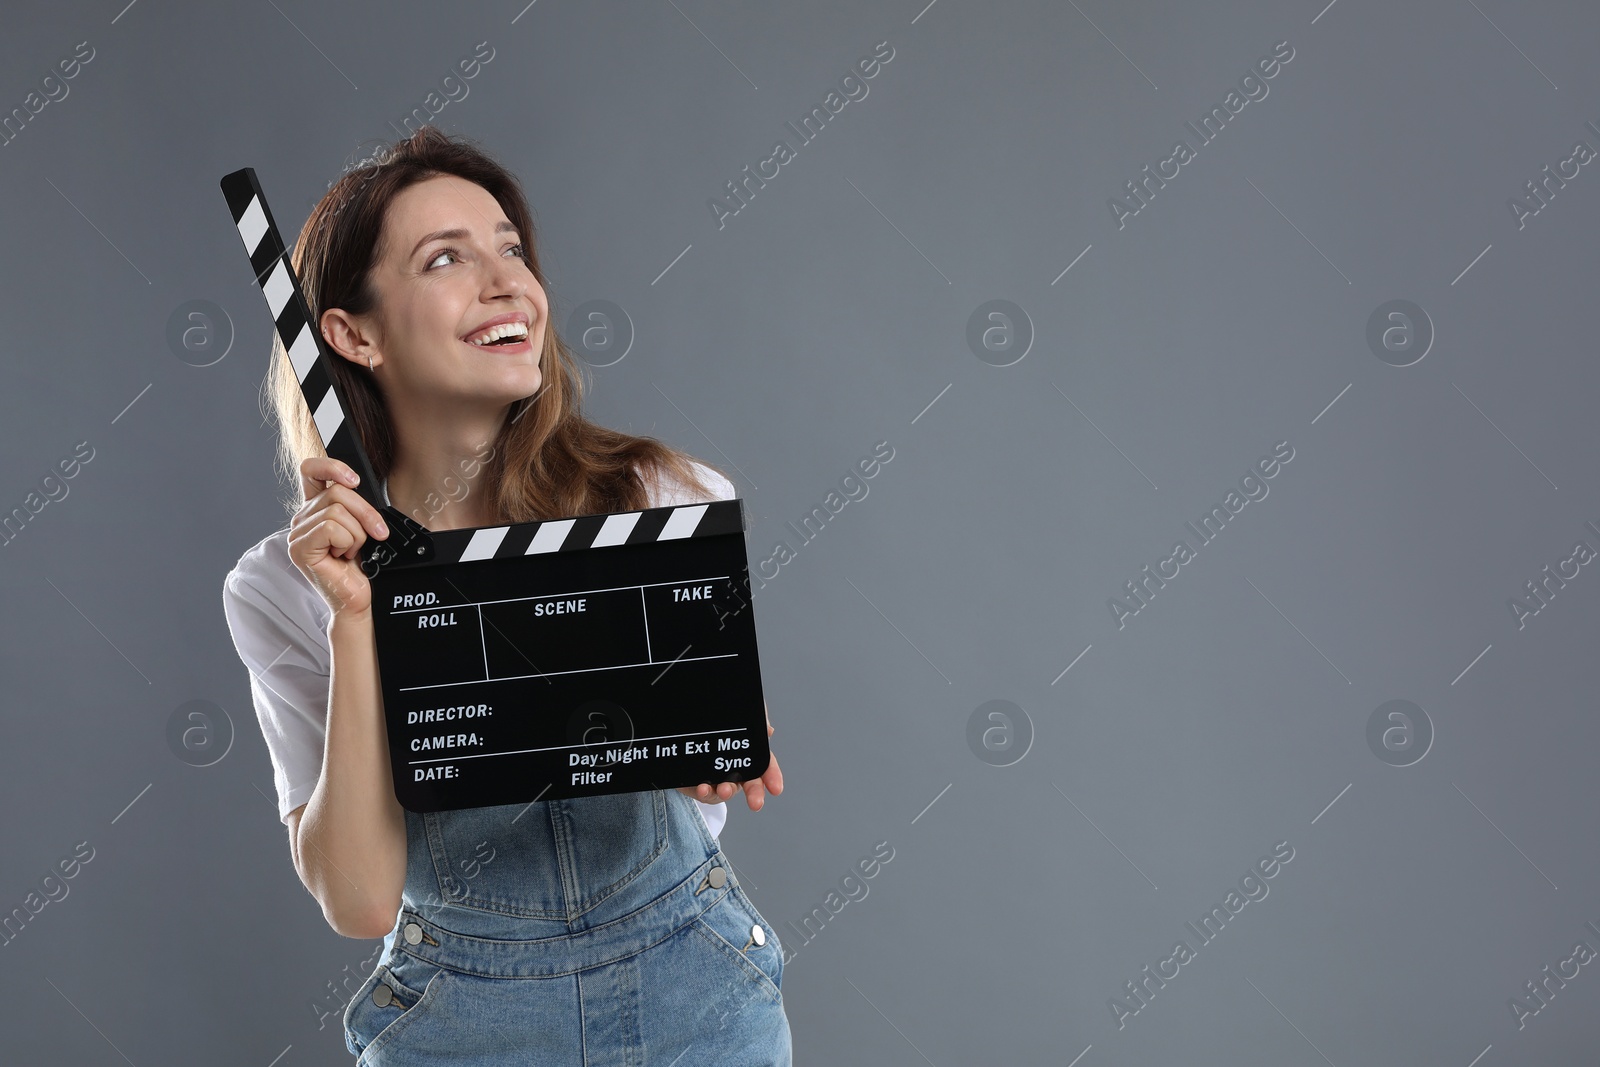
point(547, 461)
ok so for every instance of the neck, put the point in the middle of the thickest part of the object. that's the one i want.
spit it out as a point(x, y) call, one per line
point(437, 475)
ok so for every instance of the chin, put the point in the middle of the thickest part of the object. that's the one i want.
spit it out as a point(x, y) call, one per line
point(529, 384)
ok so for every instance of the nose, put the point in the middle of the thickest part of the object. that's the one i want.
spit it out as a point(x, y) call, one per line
point(507, 276)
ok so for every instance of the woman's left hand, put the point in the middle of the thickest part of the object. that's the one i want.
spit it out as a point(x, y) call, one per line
point(755, 790)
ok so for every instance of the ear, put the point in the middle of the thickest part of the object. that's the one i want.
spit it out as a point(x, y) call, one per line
point(350, 337)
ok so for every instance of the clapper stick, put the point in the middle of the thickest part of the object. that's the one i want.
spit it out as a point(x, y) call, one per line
point(311, 358)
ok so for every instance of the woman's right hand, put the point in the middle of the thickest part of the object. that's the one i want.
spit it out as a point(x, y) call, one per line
point(325, 536)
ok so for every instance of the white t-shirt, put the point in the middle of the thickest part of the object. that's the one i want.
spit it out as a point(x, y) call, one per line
point(279, 624)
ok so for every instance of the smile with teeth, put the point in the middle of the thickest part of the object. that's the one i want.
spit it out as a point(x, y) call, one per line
point(505, 333)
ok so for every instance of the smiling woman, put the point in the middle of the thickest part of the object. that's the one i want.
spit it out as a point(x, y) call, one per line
point(401, 259)
point(424, 278)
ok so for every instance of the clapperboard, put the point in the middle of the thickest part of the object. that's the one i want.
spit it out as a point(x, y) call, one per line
point(593, 654)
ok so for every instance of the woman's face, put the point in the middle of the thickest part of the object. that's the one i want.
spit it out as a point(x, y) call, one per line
point(449, 263)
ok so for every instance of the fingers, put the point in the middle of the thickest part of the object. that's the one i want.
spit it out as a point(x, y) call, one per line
point(332, 529)
point(707, 794)
point(756, 789)
point(772, 777)
point(315, 532)
point(317, 471)
point(771, 781)
point(328, 483)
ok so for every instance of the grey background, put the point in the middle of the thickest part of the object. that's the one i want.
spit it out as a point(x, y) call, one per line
point(1228, 315)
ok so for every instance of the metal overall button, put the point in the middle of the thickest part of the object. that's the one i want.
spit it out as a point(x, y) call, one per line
point(758, 937)
point(716, 878)
point(413, 933)
point(383, 996)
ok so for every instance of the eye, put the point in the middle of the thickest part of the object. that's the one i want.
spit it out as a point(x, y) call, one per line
point(516, 249)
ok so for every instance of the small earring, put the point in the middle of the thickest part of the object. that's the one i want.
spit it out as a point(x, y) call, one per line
point(370, 367)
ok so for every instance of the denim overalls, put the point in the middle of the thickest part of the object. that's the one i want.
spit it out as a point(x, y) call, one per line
point(599, 931)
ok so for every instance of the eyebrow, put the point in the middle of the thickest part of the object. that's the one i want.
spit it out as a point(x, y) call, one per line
point(457, 234)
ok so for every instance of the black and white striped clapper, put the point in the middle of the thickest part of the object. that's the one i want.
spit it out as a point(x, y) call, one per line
point(547, 660)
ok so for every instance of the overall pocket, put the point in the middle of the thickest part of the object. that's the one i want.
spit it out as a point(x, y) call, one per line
point(398, 993)
point(731, 925)
point(554, 859)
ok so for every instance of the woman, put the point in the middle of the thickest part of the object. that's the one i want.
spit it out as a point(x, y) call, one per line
point(603, 929)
